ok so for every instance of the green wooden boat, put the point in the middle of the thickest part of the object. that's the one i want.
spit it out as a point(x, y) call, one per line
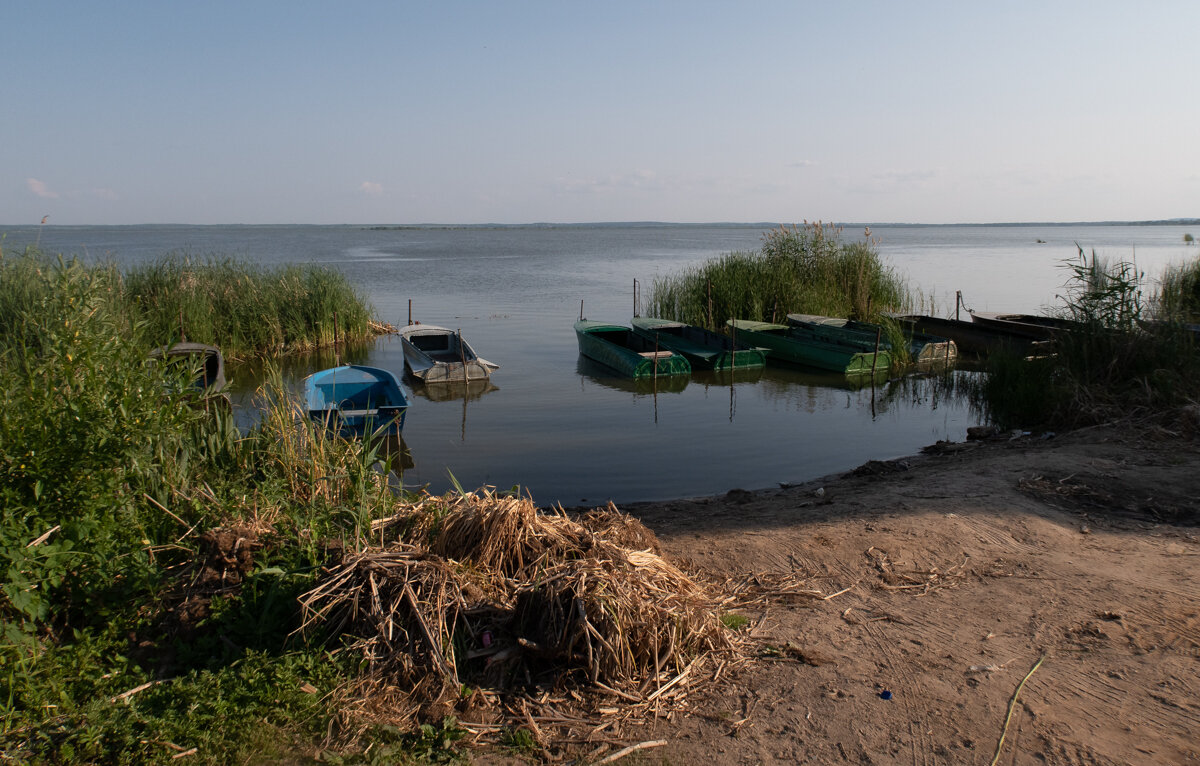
point(922, 347)
point(626, 352)
point(706, 350)
point(790, 344)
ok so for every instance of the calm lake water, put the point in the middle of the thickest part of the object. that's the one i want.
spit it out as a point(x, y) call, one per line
point(562, 427)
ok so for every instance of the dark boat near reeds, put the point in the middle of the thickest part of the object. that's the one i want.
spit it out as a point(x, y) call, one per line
point(703, 348)
point(626, 352)
point(791, 344)
point(354, 399)
point(204, 360)
point(1030, 325)
point(924, 348)
point(438, 355)
point(972, 338)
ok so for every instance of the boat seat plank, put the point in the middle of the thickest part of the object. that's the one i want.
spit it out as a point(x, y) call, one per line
point(655, 354)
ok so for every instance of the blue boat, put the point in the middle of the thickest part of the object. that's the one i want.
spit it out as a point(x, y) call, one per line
point(354, 399)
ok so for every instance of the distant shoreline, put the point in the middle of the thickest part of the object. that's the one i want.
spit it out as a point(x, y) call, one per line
point(602, 224)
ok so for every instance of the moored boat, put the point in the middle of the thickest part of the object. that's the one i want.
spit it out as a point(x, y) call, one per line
point(924, 348)
point(630, 354)
point(439, 355)
point(205, 361)
point(791, 344)
point(703, 348)
point(1030, 325)
point(355, 399)
point(973, 338)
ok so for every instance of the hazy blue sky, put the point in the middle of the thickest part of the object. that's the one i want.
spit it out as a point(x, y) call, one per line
point(513, 112)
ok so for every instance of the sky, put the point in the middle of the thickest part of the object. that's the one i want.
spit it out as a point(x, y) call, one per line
point(519, 112)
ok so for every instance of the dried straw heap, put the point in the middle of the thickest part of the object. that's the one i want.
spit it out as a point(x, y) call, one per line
point(484, 592)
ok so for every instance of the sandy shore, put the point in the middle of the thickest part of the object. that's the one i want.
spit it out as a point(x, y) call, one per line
point(956, 572)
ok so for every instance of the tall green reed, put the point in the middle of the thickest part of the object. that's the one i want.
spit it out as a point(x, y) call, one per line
point(1111, 366)
point(805, 269)
point(244, 308)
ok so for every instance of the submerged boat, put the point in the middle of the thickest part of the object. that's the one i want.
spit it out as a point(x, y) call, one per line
point(973, 338)
point(630, 354)
point(438, 355)
point(1029, 325)
point(205, 360)
point(704, 349)
point(791, 344)
point(355, 399)
point(924, 348)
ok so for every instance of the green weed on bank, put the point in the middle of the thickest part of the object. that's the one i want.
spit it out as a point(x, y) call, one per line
point(127, 633)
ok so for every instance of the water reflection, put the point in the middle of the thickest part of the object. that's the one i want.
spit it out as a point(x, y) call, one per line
point(727, 378)
point(393, 448)
point(598, 373)
point(448, 392)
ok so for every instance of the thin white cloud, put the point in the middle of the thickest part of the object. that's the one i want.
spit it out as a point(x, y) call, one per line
point(40, 189)
point(371, 188)
point(640, 180)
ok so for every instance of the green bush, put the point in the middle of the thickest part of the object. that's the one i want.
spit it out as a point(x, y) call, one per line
point(109, 476)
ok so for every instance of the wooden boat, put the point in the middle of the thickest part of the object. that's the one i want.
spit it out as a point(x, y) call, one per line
point(205, 360)
point(355, 399)
point(628, 353)
point(924, 348)
point(704, 349)
point(791, 344)
point(972, 338)
point(438, 355)
point(1029, 325)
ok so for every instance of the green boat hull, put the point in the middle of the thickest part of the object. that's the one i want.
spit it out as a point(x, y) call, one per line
point(922, 347)
point(629, 354)
point(705, 350)
point(791, 345)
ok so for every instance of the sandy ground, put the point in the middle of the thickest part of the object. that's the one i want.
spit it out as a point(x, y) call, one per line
point(956, 572)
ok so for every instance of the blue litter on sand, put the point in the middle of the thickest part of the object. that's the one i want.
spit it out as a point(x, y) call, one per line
point(885, 694)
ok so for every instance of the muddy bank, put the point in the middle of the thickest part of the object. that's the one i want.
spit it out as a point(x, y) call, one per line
point(948, 576)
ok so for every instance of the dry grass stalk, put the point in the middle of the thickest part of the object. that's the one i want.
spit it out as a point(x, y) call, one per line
point(485, 590)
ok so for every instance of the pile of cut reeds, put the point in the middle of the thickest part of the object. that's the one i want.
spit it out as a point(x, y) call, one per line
point(484, 591)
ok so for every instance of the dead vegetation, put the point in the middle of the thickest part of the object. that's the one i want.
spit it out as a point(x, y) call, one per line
point(480, 606)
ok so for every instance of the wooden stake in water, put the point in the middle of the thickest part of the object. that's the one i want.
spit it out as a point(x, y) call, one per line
point(462, 355)
point(337, 357)
point(410, 310)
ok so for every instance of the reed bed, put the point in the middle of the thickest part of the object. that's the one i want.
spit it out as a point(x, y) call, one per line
point(247, 309)
point(807, 270)
point(483, 590)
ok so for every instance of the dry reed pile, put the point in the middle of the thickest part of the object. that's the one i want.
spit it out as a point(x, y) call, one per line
point(483, 592)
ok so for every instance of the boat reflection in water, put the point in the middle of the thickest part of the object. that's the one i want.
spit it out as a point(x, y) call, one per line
point(727, 377)
point(453, 391)
point(447, 392)
point(600, 374)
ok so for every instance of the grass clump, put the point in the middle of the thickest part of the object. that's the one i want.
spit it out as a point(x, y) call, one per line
point(1178, 298)
point(1112, 364)
point(244, 308)
point(805, 269)
point(153, 555)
